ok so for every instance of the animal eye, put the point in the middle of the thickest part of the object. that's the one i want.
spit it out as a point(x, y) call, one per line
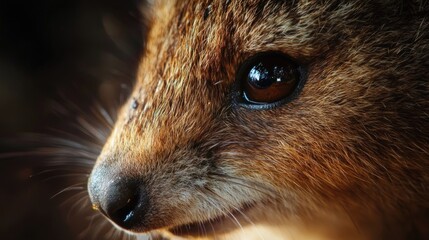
point(268, 78)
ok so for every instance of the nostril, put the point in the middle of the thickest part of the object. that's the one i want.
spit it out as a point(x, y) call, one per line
point(124, 211)
point(120, 202)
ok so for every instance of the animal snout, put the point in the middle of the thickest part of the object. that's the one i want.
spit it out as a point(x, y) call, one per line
point(122, 199)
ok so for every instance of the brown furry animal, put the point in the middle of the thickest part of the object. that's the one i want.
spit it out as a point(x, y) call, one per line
point(337, 148)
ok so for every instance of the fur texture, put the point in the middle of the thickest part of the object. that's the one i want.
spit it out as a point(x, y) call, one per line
point(348, 157)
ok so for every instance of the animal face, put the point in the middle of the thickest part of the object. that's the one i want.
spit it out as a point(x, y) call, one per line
point(191, 154)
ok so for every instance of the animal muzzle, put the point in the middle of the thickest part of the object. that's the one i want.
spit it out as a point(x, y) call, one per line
point(122, 199)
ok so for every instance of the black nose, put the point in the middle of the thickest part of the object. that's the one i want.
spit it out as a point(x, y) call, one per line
point(121, 199)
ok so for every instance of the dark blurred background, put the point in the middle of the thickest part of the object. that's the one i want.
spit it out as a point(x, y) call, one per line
point(57, 59)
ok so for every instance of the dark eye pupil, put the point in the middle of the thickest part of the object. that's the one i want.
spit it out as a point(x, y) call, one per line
point(265, 74)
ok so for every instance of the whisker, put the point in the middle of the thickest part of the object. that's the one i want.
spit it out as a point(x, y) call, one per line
point(213, 230)
point(109, 233)
point(238, 210)
point(69, 155)
point(51, 153)
point(53, 158)
point(84, 232)
point(243, 214)
point(73, 198)
point(236, 220)
point(74, 187)
point(81, 203)
point(105, 115)
point(102, 225)
point(85, 205)
point(83, 176)
point(228, 213)
point(53, 170)
point(201, 226)
point(90, 130)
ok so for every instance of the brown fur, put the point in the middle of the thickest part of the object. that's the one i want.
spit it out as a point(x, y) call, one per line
point(348, 157)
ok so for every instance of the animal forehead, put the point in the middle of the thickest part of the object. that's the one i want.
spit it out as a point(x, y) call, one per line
point(243, 25)
point(211, 34)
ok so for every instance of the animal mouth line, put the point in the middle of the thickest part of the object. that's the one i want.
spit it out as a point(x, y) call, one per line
point(226, 222)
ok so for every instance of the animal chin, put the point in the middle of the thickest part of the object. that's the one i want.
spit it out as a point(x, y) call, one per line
point(224, 223)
